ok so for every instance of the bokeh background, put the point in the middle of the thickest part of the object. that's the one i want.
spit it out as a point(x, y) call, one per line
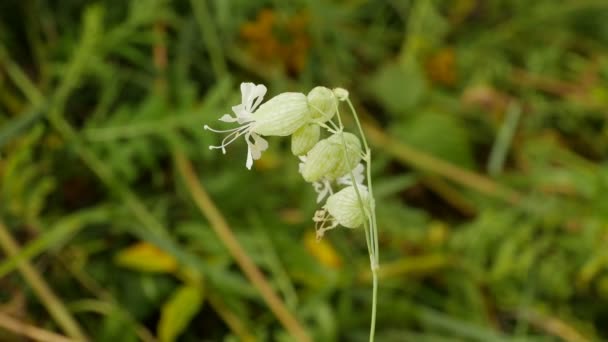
point(488, 124)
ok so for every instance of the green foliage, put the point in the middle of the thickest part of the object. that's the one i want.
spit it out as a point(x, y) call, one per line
point(438, 134)
point(177, 312)
point(97, 101)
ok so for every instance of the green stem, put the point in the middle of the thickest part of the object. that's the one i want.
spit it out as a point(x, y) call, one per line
point(372, 328)
point(375, 253)
point(371, 230)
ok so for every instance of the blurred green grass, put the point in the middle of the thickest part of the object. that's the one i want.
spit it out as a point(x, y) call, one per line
point(489, 129)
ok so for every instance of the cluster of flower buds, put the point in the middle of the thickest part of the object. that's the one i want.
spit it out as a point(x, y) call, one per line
point(332, 164)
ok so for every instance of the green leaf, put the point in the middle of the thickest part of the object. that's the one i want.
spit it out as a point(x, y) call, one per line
point(439, 134)
point(178, 311)
point(146, 257)
point(398, 86)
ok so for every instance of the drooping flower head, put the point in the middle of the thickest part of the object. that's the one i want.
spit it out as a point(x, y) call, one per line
point(282, 115)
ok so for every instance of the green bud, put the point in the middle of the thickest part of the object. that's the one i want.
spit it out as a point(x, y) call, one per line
point(322, 103)
point(282, 115)
point(304, 139)
point(341, 94)
point(327, 160)
point(345, 206)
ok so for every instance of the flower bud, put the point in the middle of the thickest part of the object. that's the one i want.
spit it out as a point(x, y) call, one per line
point(304, 139)
point(322, 103)
point(346, 208)
point(327, 160)
point(282, 115)
point(341, 94)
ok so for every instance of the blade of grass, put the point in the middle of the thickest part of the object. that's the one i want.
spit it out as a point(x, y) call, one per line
point(552, 325)
point(212, 41)
point(275, 265)
point(460, 328)
point(19, 328)
point(411, 266)
point(69, 225)
point(231, 319)
point(48, 298)
point(222, 229)
point(504, 139)
point(17, 125)
point(111, 308)
point(20, 79)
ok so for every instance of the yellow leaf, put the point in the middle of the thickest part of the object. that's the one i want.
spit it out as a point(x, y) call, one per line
point(146, 257)
point(322, 250)
point(178, 311)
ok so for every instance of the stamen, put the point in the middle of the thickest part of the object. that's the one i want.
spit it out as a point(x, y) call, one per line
point(321, 218)
point(221, 130)
point(235, 133)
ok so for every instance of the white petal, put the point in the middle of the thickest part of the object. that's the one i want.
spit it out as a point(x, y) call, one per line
point(258, 96)
point(252, 95)
point(256, 153)
point(249, 161)
point(240, 110)
point(246, 90)
point(358, 173)
point(260, 143)
point(228, 118)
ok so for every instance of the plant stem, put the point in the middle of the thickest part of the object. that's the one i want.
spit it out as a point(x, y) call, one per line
point(30, 331)
point(223, 231)
point(372, 328)
point(371, 227)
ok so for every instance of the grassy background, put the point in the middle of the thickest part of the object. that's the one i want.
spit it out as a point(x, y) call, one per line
point(488, 124)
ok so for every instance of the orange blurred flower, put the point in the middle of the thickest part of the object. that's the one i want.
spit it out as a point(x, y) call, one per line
point(271, 38)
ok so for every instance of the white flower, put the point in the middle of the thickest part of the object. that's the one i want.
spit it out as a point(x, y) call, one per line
point(282, 115)
point(251, 97)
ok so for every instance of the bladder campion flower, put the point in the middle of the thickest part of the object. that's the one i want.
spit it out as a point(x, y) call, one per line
point(341, 161)
point(280, 116)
